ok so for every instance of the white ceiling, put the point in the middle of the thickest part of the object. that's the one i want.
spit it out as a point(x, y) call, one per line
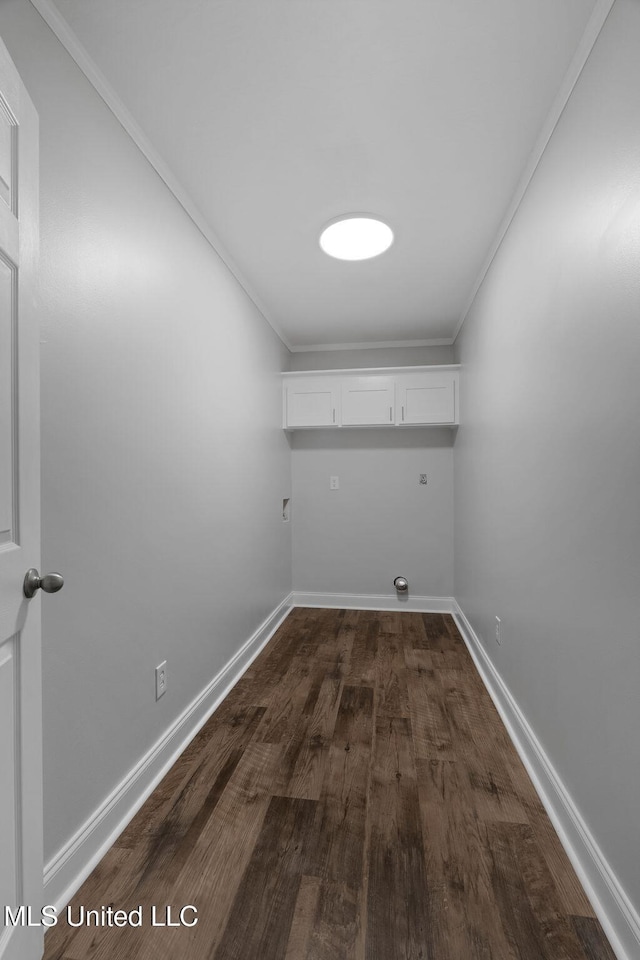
point(278, 115)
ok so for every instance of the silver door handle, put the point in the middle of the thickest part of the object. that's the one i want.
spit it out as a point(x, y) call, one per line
point(50, 583)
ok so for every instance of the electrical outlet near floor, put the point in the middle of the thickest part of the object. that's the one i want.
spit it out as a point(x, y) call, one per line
point(161, 679)
point(498, 630)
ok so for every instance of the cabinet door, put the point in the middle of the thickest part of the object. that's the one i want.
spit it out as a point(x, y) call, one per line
point(427, 398)
point(367, 401)
point(312, 402)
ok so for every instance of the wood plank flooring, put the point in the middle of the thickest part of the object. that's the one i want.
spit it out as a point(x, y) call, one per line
point(355, 797)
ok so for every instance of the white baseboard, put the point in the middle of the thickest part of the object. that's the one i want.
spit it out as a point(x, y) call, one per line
point(618, 916)
point(371, 601)
point(70, 867)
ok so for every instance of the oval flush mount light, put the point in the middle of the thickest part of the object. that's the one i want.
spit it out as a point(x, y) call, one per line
point(355, 237)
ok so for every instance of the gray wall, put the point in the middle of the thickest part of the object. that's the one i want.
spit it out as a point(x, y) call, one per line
point(381, 523)
point(547, 459)
point(374, 357)
point(164, 461)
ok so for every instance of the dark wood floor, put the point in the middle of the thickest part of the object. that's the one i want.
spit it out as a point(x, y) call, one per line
point(355, 796)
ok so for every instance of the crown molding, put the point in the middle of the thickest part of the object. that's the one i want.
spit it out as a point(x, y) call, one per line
point(69, 40)
point(592, 31)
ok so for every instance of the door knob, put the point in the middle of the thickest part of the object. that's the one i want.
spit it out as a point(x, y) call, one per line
point(50, 583)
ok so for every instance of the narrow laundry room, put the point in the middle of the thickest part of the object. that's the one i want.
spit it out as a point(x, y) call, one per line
point(319, 459)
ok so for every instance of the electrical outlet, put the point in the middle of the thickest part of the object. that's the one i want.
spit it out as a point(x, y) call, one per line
point(334, 483)
point(161, 679)
point(498, 630)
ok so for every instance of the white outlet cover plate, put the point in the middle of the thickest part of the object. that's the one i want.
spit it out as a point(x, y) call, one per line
point(161, 679)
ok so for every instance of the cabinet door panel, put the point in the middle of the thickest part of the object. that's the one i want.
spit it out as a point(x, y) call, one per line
point(311, 403)
point(367, 401)
point(427, 398)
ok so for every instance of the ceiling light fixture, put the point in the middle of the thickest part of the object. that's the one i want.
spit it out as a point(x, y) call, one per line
point(355, 237)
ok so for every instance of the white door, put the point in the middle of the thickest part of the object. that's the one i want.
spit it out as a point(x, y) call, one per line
point(20, 686)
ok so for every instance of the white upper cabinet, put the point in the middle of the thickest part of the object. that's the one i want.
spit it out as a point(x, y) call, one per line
point(312, 402)
point(402, 396)
point(367, 401)
point(427, 398)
